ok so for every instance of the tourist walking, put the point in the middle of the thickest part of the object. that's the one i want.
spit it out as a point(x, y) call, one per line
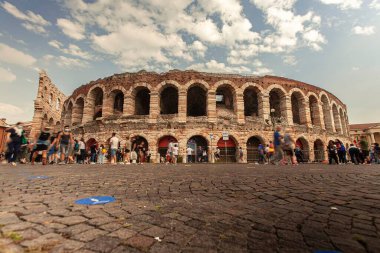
point(299, 154)
point(82, 150)
point(277, 140)
point(241, 155)
point(93, 151)
point(204, 155)
point(127, 153)
point(332, 152)
point(376, 153)
point(41, 144)
point(14, 144)
point(114, 144)
point(261, 151)
point(175, 153)
point(342, 153)
point(189, 152)
point(65, 141)
point(288, 149)
point(354, 153)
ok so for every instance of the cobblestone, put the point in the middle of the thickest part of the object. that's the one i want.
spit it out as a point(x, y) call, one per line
point(202, 208)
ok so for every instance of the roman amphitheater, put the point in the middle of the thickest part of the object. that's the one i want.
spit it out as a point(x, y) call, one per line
point(195, 109)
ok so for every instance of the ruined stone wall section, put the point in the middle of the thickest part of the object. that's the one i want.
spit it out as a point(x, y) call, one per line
point(47, 105)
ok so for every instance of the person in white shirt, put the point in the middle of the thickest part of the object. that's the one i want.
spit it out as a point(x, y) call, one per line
point(114, 144)
point(82, 149)
point(175, 153)
point(189, 152)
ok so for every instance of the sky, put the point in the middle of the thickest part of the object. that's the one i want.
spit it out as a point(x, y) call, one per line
point(333, 44)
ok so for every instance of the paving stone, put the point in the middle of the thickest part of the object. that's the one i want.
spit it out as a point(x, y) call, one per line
point(123, 233)
point(44, 242)
point(71, 220)
point(140, 242)
point(103, 244)
point(89, 235)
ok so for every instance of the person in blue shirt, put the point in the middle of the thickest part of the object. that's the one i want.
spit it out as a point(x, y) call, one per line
point(277, 140)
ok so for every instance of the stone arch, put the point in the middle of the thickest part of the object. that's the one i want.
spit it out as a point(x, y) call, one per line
point(314, 110)
point(338, 126)
point(117, 98)
point(297, 99)
point(303, 144)
point(326, 112)
point(198, 82)
point(205, 136)
point(226, 99)
point(168, 98)
point(253, 100)
point(228, 149)
point(198, 143)
point(95, 98)
point(163, 143)
point(319, 150)
point(161, 86)
point(78, 110)
point(277, 100)
point(253, 143)
point(141, 97)
point(197, 100)
point(51, 122)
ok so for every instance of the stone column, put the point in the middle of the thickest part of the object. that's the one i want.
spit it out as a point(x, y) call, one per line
point(372, 137)
point(88, 110)
point(182, 106)
point(311, 154)
point(331, 119)
point(154, 109)
point(240, 108)
point(107, 107)
point(211, 106)
point(286, 109)
point(305, 114)
point(320, 115)
point(264, 107)
point(129, 103)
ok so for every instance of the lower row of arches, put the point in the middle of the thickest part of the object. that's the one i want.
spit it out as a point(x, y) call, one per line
point(199, 149)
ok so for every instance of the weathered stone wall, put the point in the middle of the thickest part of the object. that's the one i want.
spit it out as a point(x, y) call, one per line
point(47, 106)
point(327, 121)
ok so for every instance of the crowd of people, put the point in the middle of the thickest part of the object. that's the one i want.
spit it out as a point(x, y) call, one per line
point(64, 148)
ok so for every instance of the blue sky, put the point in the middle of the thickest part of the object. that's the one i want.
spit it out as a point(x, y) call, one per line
point(333, 44)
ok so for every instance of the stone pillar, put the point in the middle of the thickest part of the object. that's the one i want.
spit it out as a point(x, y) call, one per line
point(286, 109)
point(182, 106)
point(331, 119)
point(372, 138)
point(320, 115)
point(154, 109)
point(264, 107)
point(129, 105)
point(311, 154)
point(107, 107)
point(240, 108)
point(211, 106)
point(88, 110)
point(305, 114)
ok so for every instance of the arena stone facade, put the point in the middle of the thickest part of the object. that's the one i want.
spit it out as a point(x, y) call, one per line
point(182, 104)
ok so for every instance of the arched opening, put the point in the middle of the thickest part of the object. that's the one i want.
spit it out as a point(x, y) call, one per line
point(50, 98)
point(303, 145)
point(277, 103)
point(95, 101)
point(198, 144)
point(196, 101)
point(90, 142)
point(253, 148)
point(251, 102)
point(326, 114)
point(78, 112)
point(338, 127)
point(117, 98)
point(140, 145)
point(225, 100)
point(298, 109)
point(228, 150)
point(169, 100)
point(319, 151)
point(142, 101)
point(51, 122)
point(314, 111)
point(163, 144)
point(58, 104)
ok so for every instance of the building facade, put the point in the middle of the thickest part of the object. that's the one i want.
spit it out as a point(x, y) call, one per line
point(369, 132)
point(196, 108)
point(3, 135)
point(47, 106)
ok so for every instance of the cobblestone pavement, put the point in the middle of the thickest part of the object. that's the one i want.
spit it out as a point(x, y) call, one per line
point(191, 208)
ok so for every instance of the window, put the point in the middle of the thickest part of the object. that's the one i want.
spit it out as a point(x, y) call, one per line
point(58, 104)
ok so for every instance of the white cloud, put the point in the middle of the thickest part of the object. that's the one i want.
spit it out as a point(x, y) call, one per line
point(11, 112)
point(363, 30)
point(375, 4)
point(33, 22)
point(6, 76)
point(198, 48)
point(290, 30)
point(290, 60)
point(13, 56)
point(71, 29)
point(65, 62)
point(344, 4)
point(72, 49)
point(218, 67)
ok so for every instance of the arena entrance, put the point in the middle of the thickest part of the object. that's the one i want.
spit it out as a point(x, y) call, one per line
point(227, 150)
point(198, 143)
point(252, 148)
point(90, 142)
point(304, 146)
point(319, 151)
point(163, 144)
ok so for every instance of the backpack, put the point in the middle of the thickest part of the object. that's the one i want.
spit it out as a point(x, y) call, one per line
point(76, 146)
